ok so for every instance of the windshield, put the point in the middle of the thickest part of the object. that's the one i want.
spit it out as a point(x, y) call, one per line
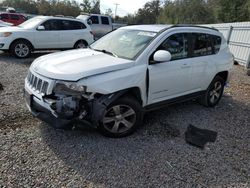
point(31, 23)
point(124, 43)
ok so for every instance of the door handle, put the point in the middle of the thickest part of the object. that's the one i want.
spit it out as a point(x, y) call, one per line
point(185, 66)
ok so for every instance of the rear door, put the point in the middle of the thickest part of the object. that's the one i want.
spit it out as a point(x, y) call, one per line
point(72, 32)
point(48, 38)
point(202, 60)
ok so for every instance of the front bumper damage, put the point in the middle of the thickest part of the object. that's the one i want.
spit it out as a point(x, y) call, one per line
point(61, 111)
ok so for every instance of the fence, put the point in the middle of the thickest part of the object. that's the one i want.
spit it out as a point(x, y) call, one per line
point(238, 37)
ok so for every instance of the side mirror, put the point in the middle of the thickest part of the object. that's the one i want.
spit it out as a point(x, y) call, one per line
point(89, 21)
point(40, 28)
point(162, 56)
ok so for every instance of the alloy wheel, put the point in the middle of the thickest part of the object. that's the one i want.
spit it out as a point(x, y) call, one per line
point(119, 118)
point(21, 50)
point(215, 93)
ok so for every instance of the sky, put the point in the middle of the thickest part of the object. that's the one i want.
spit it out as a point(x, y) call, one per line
point(124, 7)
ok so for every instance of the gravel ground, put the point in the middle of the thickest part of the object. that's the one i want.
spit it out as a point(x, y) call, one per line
point(35, 155)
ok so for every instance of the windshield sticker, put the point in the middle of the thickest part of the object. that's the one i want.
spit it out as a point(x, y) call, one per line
point(144, 33)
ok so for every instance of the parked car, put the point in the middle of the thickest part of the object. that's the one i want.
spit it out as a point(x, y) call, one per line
point(127, 72)
point(4, 24)
point(14, 18)
point(45, 32)
point(100, 24)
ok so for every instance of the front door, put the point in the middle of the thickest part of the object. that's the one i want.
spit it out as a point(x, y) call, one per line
point(49, 37)
point(171, 79)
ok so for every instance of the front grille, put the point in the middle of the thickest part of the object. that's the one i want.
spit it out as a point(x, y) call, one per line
point(37, 84)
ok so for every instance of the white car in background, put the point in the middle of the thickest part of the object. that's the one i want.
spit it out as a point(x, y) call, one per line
point(45, 32)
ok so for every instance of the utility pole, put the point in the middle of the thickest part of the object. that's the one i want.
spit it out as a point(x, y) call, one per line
point(116, 5)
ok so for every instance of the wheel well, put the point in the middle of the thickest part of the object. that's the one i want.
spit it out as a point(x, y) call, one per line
point(24, 40)
point(83, 41)
point(223, 75)
point(134, 92)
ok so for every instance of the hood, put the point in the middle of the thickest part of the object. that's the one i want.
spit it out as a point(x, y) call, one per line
point(73, 65)
point(11, 29)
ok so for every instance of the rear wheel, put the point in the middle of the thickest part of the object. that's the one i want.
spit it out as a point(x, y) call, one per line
point(121, 118)
point(21, 49)
point(214, 92)
point(80, 44)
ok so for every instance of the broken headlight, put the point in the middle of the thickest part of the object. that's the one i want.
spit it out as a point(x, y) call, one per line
point(69, 88)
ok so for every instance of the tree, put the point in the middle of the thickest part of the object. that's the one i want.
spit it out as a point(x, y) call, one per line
point(233, 11)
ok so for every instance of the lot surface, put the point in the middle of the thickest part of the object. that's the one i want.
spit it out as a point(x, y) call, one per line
point(32, 154)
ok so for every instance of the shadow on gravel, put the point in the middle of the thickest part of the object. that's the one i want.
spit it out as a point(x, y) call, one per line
point(157, 155)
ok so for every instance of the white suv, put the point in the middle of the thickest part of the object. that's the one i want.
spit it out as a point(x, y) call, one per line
point(127, 72)
point(45, 32)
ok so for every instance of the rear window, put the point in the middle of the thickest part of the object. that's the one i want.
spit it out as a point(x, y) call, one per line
point(105, 20)
point(94, 19)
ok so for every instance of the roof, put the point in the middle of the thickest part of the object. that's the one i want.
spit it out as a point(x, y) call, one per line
point(160, 27)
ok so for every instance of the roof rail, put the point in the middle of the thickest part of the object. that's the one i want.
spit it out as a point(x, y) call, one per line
point(198, 26)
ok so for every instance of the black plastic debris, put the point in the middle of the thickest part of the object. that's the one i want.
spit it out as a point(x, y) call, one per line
point(1, 87)
point(199, 137)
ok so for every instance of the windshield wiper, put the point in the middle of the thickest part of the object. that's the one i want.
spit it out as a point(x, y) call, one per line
point(105, 51)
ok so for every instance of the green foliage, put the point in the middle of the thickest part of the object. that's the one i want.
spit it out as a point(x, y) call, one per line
point(54, 7)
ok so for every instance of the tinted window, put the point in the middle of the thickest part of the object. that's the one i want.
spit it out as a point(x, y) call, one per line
point(14, 17)
point(105, 20)
point(202, 44)
point(4, 16)
point(177, 45)
point(53, 25)
point(72, 25)
point(217, 43)
point(94, 19)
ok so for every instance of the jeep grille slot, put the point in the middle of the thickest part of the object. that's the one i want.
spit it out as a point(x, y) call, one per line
point(37, 84)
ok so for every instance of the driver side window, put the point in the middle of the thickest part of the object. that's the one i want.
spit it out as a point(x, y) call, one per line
point(177, 45)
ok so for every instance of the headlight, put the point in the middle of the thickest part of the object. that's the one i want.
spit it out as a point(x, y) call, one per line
point(5, 34)
point(69, 88)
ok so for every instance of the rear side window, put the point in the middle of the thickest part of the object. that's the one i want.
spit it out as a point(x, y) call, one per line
point(94, 19)
point(216, 42)
point(52, 25)
point(4, 16)
point(177, 45)
point(202, 45)
point(72, 25)
point(105, 20)
point(14, 17)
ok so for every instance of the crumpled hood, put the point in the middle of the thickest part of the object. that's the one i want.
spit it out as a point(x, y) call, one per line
point(73, 65)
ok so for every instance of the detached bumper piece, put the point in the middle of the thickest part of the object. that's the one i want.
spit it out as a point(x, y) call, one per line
point(199, 137)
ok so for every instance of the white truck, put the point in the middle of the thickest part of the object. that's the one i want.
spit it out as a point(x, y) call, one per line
point(127, 72)
point(100, 24)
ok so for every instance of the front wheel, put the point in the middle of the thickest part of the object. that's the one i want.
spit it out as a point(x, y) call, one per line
point(121, 118)
point(21, 49)
point(214, 92)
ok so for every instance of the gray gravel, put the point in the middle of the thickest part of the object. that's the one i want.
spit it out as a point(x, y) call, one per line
point(35, 155)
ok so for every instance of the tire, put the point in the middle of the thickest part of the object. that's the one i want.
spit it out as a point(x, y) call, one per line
point(21, 49)
point(121, 118)
point(248, 72)
point(213, 93)
point(80, 44)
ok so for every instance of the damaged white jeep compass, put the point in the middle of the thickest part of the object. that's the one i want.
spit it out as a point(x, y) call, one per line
point(127, 72)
